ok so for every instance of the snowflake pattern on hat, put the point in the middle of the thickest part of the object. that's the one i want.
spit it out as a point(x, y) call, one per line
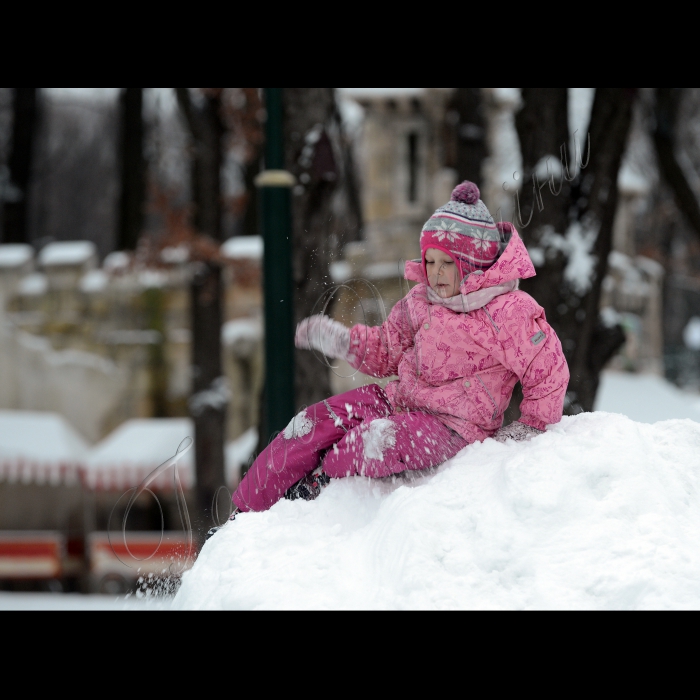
point(465, 229)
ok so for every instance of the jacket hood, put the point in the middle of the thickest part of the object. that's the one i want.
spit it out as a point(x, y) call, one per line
point(513, 264)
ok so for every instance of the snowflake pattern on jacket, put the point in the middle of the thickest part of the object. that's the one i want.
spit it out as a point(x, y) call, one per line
point(463, 367)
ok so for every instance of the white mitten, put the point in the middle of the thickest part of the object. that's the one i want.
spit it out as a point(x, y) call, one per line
point(517, 431)
point(325, 335)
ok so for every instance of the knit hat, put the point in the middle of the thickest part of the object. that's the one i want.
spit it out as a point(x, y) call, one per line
point(465, 230)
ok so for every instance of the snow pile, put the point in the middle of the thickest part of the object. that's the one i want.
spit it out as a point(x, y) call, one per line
point(599, 513)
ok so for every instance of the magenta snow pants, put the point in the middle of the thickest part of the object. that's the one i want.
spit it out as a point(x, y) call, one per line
point(355, 434)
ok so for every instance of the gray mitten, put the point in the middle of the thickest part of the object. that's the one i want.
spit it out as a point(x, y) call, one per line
point(519, 432)
point(325, 335)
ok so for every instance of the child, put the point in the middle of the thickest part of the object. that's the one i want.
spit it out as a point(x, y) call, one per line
point(459, 342)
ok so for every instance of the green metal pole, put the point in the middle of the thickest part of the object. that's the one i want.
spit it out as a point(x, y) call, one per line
point(276, 198)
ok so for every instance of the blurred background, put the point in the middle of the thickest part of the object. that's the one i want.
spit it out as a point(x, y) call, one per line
point(132, 280)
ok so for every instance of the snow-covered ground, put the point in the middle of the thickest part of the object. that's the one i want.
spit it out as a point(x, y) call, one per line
point(646, 398)
point(64, 603)
point(603, 512)
point(600, 513)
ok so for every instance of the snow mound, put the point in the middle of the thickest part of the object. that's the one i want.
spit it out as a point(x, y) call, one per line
point(600, 513)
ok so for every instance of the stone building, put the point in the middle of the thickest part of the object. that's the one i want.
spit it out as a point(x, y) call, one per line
point(105, 344)
point(402, 155)
point(102, 345)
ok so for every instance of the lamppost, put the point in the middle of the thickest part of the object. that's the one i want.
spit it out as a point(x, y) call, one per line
point(276, 185)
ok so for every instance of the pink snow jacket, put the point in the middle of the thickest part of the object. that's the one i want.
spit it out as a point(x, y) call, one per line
point(463, 367)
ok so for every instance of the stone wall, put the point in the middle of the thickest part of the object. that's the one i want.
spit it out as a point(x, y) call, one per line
point(104, 345)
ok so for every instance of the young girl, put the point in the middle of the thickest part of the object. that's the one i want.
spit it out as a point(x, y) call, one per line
point(459, 343)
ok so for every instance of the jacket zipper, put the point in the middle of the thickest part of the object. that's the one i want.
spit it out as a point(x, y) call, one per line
point(493, 323)
point(495, 405)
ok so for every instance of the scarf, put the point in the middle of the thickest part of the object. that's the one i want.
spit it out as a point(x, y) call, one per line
point(466, 303)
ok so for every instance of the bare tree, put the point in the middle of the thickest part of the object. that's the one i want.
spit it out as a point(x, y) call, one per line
point(572, 224)
point(209, 393)
point(665, 134)
point(132, 168)
point(314, 155)
point(467, 134)
point(75, 183)
point(24, 128)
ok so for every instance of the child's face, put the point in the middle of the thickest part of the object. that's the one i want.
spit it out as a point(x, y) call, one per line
point(443, 274)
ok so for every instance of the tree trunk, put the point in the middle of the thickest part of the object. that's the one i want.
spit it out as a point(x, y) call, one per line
point(467, 110)
point(207, 130)
point(16, 209)
point(210, 395)
point(543, 127)
point(668, 101)
point(584, 207)
point(311, 145)
point(209, 391)
point(132, 168)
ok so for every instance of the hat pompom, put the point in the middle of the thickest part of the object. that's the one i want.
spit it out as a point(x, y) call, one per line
point(467, 193)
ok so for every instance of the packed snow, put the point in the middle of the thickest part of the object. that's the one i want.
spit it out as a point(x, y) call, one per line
point(300, 427)
point(379, 437)
point(600, 513)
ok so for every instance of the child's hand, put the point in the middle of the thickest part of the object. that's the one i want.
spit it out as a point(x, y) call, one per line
point(519, 432)
point(325, 335)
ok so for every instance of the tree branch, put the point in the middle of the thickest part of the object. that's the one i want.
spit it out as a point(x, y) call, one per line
point(667, 107)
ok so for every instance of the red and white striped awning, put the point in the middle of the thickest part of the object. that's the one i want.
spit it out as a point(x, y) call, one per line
point(135, 450)
point(42, 448)
point(39, 448)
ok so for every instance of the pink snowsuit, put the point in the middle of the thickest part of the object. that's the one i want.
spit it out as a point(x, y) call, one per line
point(457, 371)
